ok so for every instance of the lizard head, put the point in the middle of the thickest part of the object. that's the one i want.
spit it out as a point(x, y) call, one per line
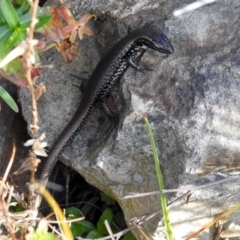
point(157, 40)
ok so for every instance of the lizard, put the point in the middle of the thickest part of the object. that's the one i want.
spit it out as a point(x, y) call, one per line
point(107, 72)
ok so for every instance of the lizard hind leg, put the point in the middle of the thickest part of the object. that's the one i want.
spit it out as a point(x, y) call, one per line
point(110, 109)
point(111, 112)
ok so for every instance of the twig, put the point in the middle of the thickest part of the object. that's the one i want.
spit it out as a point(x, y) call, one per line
point(67, 221)
point(191, 7)
point(29, 55)
point(56, 231)
point(109, 229)
point(189, 190)
point(8, 168)
point(141, 231)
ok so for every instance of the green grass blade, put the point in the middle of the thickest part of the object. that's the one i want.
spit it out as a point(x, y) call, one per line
point(25, 20)
point(163, 198)
point(16, 38)
point(5, 32)
point(2, 19)
point(24, 7)
point(8, 99)
point(9, 13)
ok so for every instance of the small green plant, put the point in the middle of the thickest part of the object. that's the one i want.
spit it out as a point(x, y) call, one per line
point(15, 18)
point(86, 230)
point(14, 21)
point(81, 227)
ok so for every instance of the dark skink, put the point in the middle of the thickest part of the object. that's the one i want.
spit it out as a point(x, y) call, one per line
point(108, 71)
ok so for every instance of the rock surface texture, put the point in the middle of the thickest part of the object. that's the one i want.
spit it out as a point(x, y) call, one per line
point(192, 100)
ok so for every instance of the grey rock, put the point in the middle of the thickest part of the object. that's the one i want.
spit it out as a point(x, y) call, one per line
point(191, 99)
